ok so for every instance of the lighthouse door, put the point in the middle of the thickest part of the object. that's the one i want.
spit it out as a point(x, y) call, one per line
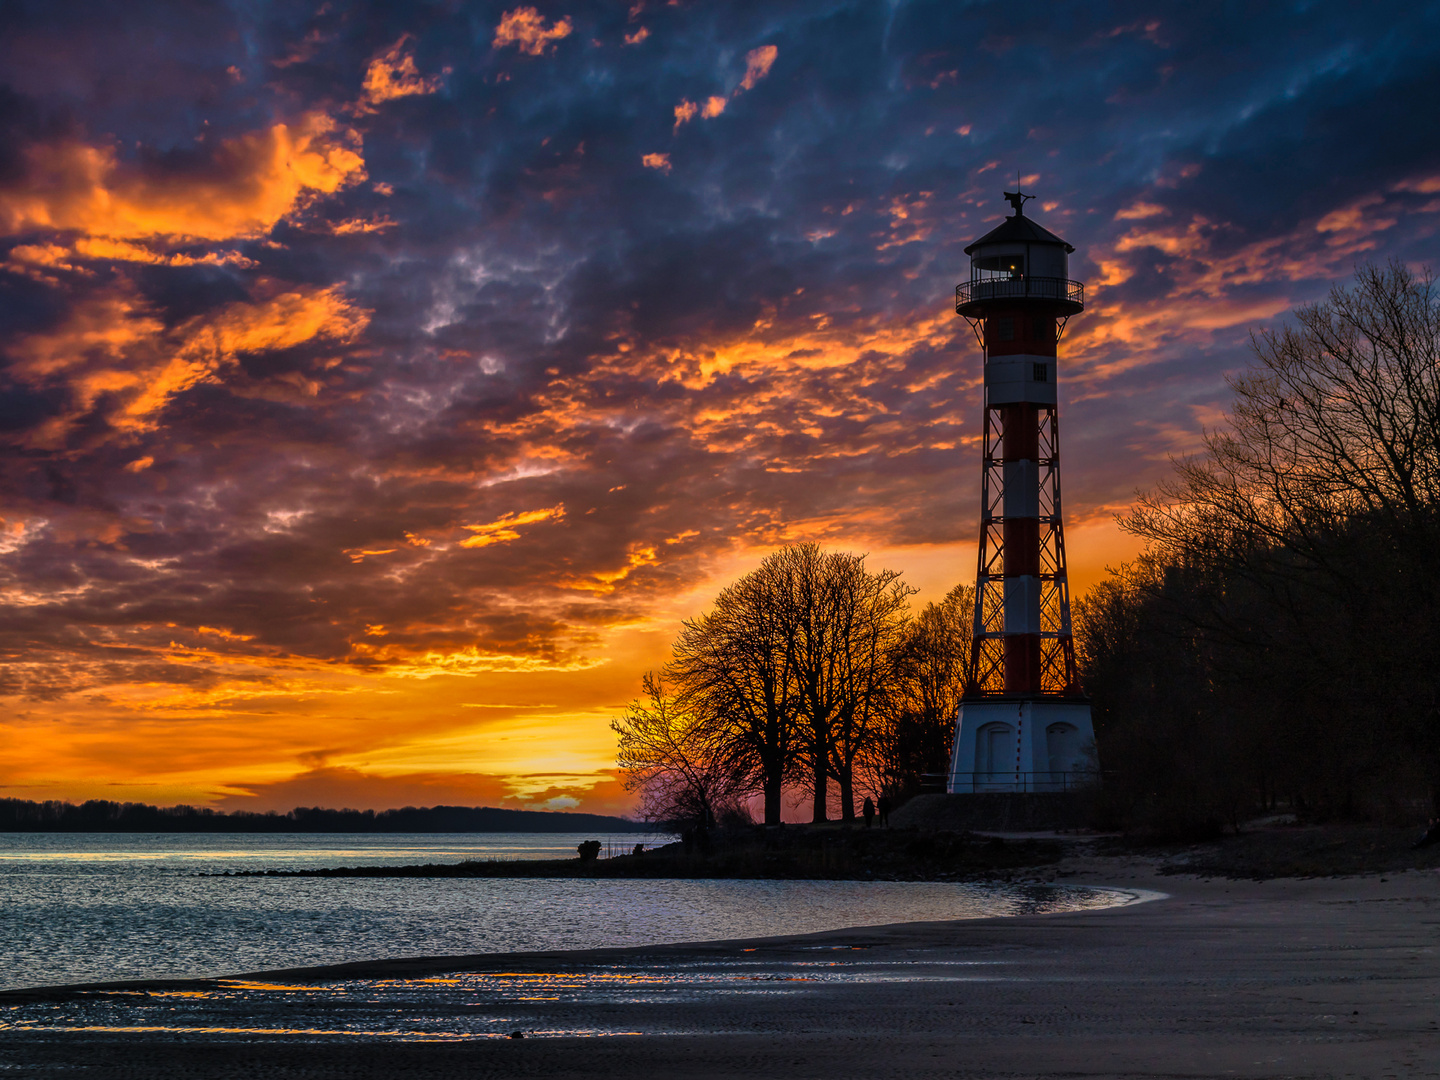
point(994, 757)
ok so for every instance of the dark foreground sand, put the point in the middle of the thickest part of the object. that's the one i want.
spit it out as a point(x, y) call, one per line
point(1290, 978)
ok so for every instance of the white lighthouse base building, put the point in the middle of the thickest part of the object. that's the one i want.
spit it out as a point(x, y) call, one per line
point(1022, 744)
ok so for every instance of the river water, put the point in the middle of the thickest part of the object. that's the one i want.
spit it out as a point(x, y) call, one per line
point(90, 907)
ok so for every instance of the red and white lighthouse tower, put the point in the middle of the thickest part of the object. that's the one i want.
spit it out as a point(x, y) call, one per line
point(1023, 724)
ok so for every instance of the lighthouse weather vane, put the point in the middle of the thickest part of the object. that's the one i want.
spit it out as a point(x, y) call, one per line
point(1017, 199)
point(1023, 724)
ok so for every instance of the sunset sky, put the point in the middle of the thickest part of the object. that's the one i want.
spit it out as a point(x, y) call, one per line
point(380, 384)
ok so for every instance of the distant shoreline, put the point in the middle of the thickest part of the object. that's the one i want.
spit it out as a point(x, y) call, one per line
point(100, 816)
point(23, 815)
point(568, 830)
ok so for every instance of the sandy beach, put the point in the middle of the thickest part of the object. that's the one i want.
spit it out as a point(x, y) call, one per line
point(1332, 977)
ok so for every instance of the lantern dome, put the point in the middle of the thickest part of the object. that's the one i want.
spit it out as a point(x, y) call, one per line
point(1019, 260)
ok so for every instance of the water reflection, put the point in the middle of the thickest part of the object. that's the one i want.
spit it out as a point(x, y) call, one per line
point(484, 1005)
point(84, 909)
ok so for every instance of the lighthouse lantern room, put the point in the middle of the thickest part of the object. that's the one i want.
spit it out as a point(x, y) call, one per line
point(1023, 724)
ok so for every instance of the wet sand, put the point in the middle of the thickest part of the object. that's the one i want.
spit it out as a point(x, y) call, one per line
point(1288, 978)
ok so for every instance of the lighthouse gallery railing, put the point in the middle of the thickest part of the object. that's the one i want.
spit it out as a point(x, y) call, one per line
point(1040, 288)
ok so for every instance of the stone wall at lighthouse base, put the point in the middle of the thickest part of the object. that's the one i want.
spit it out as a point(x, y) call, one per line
point(1024, 745)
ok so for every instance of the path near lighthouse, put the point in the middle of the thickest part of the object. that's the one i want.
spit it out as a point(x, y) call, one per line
point(1312, 978)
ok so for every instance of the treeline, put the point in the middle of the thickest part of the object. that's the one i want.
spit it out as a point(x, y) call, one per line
point(810, 676)
point(97, 815)
point(1278, 643)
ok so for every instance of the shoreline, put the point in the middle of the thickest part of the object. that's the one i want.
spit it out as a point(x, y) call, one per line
point(803, 853)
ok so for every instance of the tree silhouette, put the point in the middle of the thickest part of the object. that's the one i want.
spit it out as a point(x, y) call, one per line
point(668, 755)
point(733, 669)
point(1284, 606)
point(793, 670)
point(919, 727)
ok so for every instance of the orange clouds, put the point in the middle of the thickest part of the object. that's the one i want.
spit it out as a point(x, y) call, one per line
point(910, 220)
point(474, 660)
point(757, 65)
point(360, 554)
point(1355, 222)
point(393, 74)
point(503, 530)
point(604, 582)
point(687, 110)
point(447, 783)
point(70, 258)
point(241, 189)
point(1207, 264)
point(280, 322)
point(114, 350)
point(525, 29)
point(117, 356)
point(228, 635)
point(656, 161)
point(337, 786)
point(1423, 185)
point(1217, 258)
point(1139, 210)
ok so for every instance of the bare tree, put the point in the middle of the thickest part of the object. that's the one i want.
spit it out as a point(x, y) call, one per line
point(1317, 510)
point(870, 613)
point(732, 668)
point(936, 650)
point(667, 756)
point(1340, 420)
point(792, 669)
point(804, 609)
point(917, 731)
point(841, 624)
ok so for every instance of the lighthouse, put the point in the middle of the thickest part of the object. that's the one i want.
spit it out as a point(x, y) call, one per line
point(1023, 724)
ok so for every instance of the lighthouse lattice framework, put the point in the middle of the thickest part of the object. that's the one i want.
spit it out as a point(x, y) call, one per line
point(1023, 724)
